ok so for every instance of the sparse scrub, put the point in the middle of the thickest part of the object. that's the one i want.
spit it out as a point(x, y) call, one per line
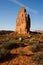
point(38, 58)
point(12, 44)
point(32, 39)
point(3, 52)
point(24, 37)
point(34, 47)
point(9, 45)
point(33, 42)
point(41, 45)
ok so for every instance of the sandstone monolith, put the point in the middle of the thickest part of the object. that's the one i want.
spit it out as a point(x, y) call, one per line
point(23, 22)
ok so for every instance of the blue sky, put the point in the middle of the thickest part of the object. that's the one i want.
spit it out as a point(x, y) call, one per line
point(10, 8)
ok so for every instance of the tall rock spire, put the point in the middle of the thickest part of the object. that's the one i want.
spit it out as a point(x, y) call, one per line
point(23, 22)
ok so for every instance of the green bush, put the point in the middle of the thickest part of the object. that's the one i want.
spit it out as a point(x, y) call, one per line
point(38, 58)
point(3, 52)
point(41, 45)
point(34, 47)
point(24, 37)
point(9, 45)
point(33, 41)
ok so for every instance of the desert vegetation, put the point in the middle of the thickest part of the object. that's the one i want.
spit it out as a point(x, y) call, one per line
point(22, 46)
point(38, 58)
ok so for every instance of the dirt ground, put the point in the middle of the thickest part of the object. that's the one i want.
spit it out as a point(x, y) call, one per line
point(18, 56)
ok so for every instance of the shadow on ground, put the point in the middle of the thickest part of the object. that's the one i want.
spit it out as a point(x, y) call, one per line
point(8, 57)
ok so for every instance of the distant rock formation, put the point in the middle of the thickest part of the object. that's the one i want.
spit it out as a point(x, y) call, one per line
point(23, 22)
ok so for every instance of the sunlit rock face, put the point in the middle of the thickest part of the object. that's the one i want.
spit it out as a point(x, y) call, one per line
point(23, 22)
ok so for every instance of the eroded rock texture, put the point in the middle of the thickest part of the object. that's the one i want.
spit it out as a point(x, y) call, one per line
point(23, 22)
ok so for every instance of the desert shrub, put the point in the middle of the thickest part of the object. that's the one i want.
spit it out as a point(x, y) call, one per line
point(3, 40)
point(26, 41)
point(10, 45)
point(38, 58)
point(34, 47)
point(32, 42)
point(41, 45)
point(32, 39)
point(3, 52)
point(15, 37)
point(24, 37)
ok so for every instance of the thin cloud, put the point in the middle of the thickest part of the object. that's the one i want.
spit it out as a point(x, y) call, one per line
point(22, 5)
